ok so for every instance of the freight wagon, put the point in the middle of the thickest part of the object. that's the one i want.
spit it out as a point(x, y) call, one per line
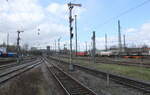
point(81, 53)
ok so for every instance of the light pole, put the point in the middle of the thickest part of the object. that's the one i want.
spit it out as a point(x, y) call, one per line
point(71, 5)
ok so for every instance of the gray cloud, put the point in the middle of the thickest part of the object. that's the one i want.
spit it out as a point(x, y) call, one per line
point(29, 16)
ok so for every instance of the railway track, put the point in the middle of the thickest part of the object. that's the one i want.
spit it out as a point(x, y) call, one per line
point(2, 67)
point(125, 63)
point(2, 62)
point(70, 85)
point(13, 60)
point(129, 82)
point(108, 61)
point(7, 66)
point(18, 70)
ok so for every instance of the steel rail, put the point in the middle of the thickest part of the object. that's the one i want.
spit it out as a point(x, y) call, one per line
point(70, 85)
point(4, 77)
point(2, 67)
point(124, 63)
point(131, 82)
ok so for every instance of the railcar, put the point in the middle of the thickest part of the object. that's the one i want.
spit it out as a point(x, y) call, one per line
point(81, 53)
point(0, 53)
point(105, 53)
point(9, 54)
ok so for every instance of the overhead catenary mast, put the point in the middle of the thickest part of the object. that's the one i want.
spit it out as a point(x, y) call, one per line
point(124, 42)
point(76, 43)
point(59, 45)
point(55, 46)
point(86, 47)
point(59, 48)
point(7, 41)
point(94, 47)
point(119, 37)
point(106, 48)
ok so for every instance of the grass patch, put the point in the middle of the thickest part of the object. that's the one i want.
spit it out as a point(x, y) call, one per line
point(130, 71)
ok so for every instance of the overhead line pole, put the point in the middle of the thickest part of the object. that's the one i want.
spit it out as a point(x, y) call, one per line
point(124, 42)
point(76, 34)
point(59, 48)
point(119, 37)
point(55, 47)
point(7, 41)
point(59, 45)
point(86, 47)
point(94, 47)
point(71, 5)
point(106, 42)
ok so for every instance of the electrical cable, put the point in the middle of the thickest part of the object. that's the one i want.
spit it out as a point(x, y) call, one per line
point(125, 12)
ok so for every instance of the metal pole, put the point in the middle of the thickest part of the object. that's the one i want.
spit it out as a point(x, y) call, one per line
point(59, 49)
point(89, 53)
point(71, 5)
point(79, 47)
point(76, 34)
point(108, 80)
point(71, 36)
point(94, 47)
point(39, 38)
point(59, 45)
point(124, 38)
point(55, 47)
point(106, 42)
point(86, 47)
point(119, 37)
point(18, 46)
point(7, 41)
point(64, 48)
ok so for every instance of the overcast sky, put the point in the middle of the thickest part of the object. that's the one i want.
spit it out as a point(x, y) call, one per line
point(51, 17)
